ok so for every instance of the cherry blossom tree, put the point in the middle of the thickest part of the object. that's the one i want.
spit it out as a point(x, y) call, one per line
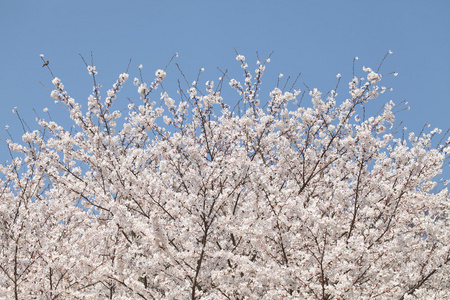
point(200, 198)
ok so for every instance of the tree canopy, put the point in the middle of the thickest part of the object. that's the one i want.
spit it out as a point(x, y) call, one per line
point(201, 198)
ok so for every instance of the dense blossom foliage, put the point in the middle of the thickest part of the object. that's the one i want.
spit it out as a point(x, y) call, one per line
point(195, 199)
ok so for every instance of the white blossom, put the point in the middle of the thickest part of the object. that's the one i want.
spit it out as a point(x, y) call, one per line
point(160, 74)
point(91, 70)
point(204, 200)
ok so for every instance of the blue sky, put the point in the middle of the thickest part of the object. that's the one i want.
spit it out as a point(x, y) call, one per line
point(317, 38)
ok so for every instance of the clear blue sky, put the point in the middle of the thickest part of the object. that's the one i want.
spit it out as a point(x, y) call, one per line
point(317, 38)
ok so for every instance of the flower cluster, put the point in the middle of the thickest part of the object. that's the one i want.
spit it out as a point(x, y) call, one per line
point(190, 199)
